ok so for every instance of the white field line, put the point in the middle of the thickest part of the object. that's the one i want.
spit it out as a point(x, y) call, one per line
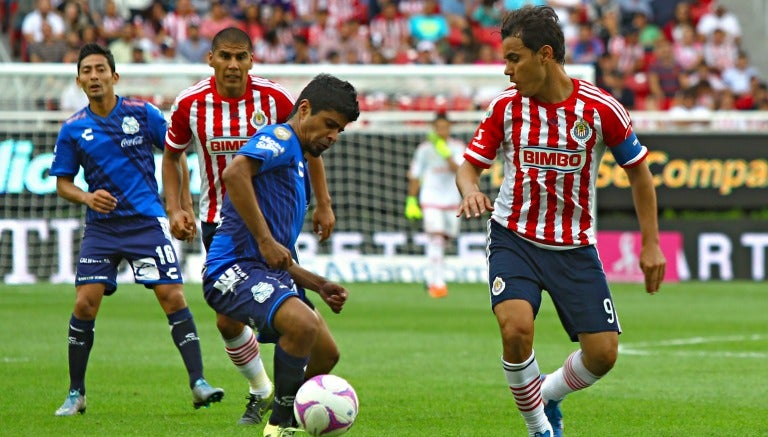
point(672, 347)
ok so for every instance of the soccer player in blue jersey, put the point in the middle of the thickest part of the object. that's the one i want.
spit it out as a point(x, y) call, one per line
point(250, 274)
point(112, 139)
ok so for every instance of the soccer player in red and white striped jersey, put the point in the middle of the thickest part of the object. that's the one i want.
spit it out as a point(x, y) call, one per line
point(551, 131)
point(216, 116)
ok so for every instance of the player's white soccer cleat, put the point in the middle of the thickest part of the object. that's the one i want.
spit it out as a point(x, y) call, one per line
point(280, 431)
point(203, 394)
point(255, 410)
point(73, 404)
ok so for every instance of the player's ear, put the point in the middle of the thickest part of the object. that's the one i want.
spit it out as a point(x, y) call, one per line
point(210, 58)
point(546, 52)
point(115, 77)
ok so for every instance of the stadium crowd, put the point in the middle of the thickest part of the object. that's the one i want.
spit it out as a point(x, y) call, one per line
point(679, 55)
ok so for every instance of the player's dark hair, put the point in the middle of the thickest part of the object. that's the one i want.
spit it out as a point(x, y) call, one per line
point(536, 26)
point(95, 49)
point(441, 115)
point(231, 35)
point(326, 92)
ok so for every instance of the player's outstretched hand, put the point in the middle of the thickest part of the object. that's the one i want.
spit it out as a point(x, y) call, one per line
point(653, 265)
point(474, 205)
point(323, 222)
point(276, 255)
point(101, 201)
point(183, 225)
point(334, 295)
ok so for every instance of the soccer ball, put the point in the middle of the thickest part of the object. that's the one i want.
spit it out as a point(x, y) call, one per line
point(325, 406)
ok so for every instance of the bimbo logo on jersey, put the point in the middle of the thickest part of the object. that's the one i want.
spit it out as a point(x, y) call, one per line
point(547, 158)
point(225, 145)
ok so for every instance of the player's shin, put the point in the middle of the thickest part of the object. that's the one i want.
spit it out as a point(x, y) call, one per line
point(245, 354)
point(525, 383)
point(289, 376)
point(184, 333)
point(80, 338)
point(571, 377)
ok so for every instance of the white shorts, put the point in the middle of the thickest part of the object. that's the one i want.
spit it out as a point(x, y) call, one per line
point(441, 221)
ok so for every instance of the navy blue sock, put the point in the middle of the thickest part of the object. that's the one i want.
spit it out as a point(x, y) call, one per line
point(184, 333)
point(289, 375)
point(80, 340)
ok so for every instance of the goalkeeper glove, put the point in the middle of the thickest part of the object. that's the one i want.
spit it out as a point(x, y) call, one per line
point(412, 208)
point(441, 146)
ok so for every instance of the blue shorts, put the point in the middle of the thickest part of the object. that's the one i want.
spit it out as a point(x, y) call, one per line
point(250, 293)
point(574, 279)
point(145, 242)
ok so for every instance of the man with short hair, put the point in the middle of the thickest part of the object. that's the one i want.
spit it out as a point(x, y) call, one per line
point(112, 139)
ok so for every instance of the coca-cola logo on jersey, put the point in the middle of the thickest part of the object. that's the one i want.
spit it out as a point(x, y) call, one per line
point(544, 158)
point(225, 145)
point(132, 142)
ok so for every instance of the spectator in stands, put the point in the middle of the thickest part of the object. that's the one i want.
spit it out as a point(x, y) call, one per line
point(649, 33)
point(302, 53)
point(686, 107)
point(587, 48)
point(269, 50)
point(195, 48)
point(217, 19)
point(488, 14)
point(433, 197)
point(739, 78)
point(429, 25)
point(664, 75)
point(705, 73)
point(719, 51)
point(73, 43)
point(167, 53)
point(720, 18)
point(615, 84)
point(353, 45)
point(176, 22)
point(322, 36)
point(427, 54)
point(688, 51)
point(252, 23)
point(75, 18)
point(390, 32)
point(629, 53)
point(629, 8)
point(131, 9)
point(50, 49)
point(673, 29)
point(32, 26)
point(150, 25)
point(111, 23)
point(123, 47)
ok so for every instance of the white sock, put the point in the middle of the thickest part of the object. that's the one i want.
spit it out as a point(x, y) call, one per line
point(244, 352)
point(524, 381)
point(571, 377)
point(436, 256)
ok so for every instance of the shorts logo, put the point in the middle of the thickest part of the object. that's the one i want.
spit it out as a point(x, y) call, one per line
point(498, 286)
point(262, 291)
point(130, 125)
point(259, 119)
point(145, 269)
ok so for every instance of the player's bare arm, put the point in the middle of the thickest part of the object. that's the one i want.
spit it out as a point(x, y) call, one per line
point(333, 294)
point(323, 218)
point(237, 178)
point(652, 261)
point(473, 203)
point(178, 198)
point(100, 200)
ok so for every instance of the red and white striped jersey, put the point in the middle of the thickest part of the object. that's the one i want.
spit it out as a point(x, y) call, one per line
point(218, 126)
point(551, 156)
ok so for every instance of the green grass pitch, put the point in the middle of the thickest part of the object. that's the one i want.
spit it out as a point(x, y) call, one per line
point(693, 362)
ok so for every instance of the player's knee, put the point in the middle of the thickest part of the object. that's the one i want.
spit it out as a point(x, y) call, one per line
point(515, 334)
point(600, 361)
point(303, 331)
point(228, 328)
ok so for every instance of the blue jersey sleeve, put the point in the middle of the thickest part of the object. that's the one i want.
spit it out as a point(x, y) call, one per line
point(65, 161)
point(158, 125)
point(274, 146)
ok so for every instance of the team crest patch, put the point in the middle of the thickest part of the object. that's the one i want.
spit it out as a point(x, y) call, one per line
point(282, 133)
point(262, 291)
point(258, 119)
point(581, 131)
point(498, 286)
point(130, 125)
